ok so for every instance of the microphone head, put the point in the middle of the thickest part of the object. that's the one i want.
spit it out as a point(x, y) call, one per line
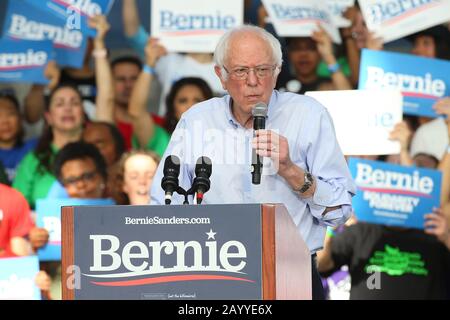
point(203, 167)
point(172, 166)
point(171, 170)
point(260, 110)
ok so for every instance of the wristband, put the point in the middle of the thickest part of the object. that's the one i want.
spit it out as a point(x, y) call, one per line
point(149, 70)
point(99, 53)
point(333, 68)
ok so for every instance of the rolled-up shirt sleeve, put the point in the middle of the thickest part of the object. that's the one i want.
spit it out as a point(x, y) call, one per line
point(334, 184)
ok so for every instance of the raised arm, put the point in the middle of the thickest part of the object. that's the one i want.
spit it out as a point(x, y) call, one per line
point(351, 47)
point(402, 134)
point(130, 17)
point(105, 90)
point(35, 100)
point(442, 107)
point(325, 47)
point(137, 108)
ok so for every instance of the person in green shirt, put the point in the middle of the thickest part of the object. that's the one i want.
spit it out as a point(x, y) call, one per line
point(65, 119)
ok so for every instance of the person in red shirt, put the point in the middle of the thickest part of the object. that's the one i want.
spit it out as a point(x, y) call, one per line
point(15, 223)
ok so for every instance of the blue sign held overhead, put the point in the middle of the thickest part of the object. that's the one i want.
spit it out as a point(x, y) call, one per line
point(422, 81)
point(21, 23)
point(394, 195)
point(18, 278)
point(48, 213)
point(24, 61)
point(75, 12)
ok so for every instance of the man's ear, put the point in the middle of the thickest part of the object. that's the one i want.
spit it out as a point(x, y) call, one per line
point(218, 71)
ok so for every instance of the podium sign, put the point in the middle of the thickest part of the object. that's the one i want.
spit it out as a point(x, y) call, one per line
point(162, 252)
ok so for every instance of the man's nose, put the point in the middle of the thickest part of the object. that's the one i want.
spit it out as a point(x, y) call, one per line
point(252, 79)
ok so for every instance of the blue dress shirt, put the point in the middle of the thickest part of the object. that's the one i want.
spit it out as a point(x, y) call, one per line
point(210, 129)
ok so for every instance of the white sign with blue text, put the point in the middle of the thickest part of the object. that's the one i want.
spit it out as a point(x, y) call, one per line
point(24, 60)
point(363, 119)
point(394, 195)
point(194, 25)
point(293, 18)
point(422, 81)
point(75, 12)
point(48, 216)
point(18, 278)
point(394, 19)
point(21, 23)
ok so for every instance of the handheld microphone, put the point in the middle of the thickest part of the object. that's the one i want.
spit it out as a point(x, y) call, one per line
point(201, 184)
point(259, 113)
point(169, 182)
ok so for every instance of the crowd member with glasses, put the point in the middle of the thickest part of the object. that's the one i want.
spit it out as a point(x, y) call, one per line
point(305, 55)
point(13, 147)
point(81, 169)
point(309, 174)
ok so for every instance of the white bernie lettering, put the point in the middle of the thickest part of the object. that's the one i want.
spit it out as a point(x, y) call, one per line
point(86, 6)
point(378, 178)
point(23, 59)
point(140, 261)
point(377, 78)
point(391, 202)
point(31, 30)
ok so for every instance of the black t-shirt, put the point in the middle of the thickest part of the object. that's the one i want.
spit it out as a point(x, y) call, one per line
point(402, 263)
point(292, 84)
point(86, 86)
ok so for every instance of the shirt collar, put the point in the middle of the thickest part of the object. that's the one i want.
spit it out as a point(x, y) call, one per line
point(232, 120)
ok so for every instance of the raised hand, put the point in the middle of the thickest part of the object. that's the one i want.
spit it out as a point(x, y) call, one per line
point(153, 51)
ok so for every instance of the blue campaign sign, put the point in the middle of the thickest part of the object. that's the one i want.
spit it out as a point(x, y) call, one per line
point(48, 212)
point(394, 195)
point(24, 61)
point(75, 12)
point(21, 23)
point(17, 278)
point(422, 81)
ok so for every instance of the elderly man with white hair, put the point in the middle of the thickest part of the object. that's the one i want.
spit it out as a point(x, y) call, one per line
point(303, 164)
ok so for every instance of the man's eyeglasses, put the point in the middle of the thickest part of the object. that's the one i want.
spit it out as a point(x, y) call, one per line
point(241, 73)
point(86, 177)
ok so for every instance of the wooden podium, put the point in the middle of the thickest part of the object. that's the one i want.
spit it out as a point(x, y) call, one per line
point(262, 254)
